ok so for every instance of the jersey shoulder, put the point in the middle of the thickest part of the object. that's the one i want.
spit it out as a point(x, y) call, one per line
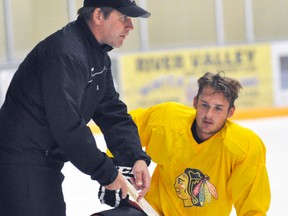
point(171, 114)
point(242, 140)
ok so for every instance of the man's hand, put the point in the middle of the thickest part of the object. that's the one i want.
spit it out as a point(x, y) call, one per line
point(141, 179)
point(110, 194)
point(119, 184)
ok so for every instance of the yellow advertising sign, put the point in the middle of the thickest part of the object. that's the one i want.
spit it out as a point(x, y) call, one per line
point(151, 78)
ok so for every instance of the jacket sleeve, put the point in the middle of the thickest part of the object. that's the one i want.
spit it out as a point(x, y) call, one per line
point(249, 183)
point(118, 128)
point(63, 85)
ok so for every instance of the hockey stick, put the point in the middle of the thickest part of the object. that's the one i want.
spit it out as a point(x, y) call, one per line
point(146, 207)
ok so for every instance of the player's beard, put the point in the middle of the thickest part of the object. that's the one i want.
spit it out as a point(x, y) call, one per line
point(207, 128)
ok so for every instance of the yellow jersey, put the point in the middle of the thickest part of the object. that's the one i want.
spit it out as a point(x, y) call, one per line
point(204, 179)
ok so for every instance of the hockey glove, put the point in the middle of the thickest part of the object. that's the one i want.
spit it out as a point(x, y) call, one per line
point(112, 197)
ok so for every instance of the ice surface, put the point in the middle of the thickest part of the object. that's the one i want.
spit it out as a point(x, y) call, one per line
point(80, 191)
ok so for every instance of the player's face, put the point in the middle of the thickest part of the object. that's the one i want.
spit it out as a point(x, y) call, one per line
point(114, 29)
point(212, 112)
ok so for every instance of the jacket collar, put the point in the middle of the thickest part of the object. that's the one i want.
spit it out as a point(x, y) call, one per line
point(84, 27)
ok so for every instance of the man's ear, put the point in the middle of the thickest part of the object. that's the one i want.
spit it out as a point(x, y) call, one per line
point(195, 102)
point(97, 15)
point(231, 112)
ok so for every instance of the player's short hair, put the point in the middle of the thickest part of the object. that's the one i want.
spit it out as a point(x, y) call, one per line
point(86, 12)
point(229, 87)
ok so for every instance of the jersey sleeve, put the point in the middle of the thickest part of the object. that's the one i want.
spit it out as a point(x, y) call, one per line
point(249, 183)
point(155, 131)
point(141, 118)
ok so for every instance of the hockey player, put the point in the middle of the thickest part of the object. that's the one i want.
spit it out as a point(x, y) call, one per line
point(205, 163)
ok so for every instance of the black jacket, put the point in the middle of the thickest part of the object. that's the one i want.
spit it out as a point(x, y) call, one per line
point(63, 83)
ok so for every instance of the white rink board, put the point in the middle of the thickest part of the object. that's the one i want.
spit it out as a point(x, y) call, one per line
point(81, 193)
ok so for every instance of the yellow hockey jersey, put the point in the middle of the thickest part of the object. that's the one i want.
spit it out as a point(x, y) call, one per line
point(202, 179)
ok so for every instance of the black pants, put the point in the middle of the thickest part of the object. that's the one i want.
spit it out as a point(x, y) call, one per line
point(31, 190)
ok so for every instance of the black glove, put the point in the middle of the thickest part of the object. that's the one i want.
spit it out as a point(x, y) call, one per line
point(113, 197)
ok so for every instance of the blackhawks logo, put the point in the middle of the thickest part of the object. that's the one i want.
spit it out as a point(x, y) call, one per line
point(194, 188)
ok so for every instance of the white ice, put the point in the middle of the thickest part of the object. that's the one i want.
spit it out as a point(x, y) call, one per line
point(80, 191)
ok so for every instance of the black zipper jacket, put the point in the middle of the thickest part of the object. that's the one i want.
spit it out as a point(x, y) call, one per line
point(63, 83)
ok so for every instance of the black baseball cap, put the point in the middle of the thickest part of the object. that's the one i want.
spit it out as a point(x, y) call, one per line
point(126, 7)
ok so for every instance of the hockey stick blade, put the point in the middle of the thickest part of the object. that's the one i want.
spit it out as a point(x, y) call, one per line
point(146, 207)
